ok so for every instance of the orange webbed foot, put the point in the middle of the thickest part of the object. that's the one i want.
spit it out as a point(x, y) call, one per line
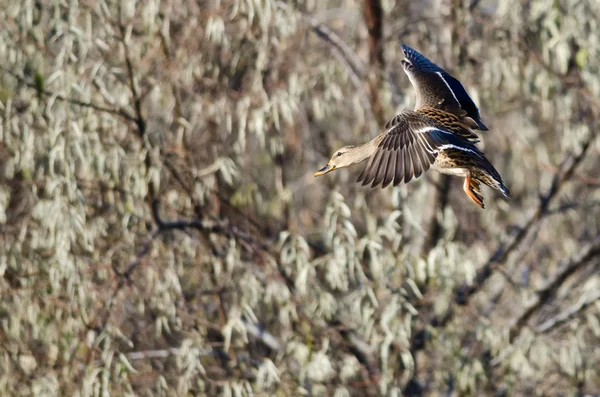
point(471, 188)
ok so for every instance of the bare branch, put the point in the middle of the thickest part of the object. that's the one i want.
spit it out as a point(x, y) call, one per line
point(568, 314)
point(573, 206)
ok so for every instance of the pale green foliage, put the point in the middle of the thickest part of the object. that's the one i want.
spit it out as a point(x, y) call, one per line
point(291, 282)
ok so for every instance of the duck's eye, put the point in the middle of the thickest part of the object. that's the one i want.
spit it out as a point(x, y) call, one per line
point(338, 154)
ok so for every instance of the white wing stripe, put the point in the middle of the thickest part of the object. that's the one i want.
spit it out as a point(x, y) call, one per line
point(464, 149)
point(426, 144)
point(463, 87)
point(429, 128)
point(448, 85)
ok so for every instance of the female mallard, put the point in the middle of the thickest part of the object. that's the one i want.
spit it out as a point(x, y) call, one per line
point(436, 134)
point(413, 142)
point(437, 89)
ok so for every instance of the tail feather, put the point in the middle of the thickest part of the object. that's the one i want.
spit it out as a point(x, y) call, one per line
point(493, 181)
point(502, 187)
point(491, 177)
point(481, 170)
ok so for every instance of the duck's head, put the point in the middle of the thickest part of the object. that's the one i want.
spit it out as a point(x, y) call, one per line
point(343, 157)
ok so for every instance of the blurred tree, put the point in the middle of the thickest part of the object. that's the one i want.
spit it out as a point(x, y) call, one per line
point(163, 233)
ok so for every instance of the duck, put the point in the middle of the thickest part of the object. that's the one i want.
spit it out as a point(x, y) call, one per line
point(437, 134)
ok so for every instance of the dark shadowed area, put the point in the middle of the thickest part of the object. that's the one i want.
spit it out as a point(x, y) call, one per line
point(162, 233)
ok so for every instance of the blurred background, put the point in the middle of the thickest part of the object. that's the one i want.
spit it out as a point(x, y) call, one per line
point(163, 234)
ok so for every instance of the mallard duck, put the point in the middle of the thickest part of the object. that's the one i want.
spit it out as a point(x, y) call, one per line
point(415, 141)
point(437, 134)
point(437, 89)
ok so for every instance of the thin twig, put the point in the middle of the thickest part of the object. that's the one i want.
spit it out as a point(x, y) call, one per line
point(164, 225)
point(221, 227)
point(359, 348)
point(438, 201)
point(126, 275)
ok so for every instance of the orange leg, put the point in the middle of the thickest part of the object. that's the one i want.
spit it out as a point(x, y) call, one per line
point(471, 188)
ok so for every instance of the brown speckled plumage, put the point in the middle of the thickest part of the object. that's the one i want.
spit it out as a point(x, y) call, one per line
point(451, 122)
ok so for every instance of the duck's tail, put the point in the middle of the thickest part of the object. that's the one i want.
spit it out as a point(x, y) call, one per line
point(492, 178)
point(480, 170)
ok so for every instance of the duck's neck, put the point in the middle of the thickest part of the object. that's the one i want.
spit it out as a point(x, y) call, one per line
point(362, 152)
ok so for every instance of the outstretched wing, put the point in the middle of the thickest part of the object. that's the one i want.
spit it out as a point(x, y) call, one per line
point(408, 149)
point(437, 88)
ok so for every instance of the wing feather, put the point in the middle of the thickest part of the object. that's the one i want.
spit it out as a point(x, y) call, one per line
point(423, 159)
point(381, 169)
point(372, 170)
point(390, 168)
point(408, 171)
point(399, 169)
point(408, 149)
point(416, 163)
point(439, 89)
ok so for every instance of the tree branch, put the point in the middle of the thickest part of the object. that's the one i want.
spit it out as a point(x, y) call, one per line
point(137, 100)
point(373, 14)
point(567, 169)
point(352, 60)
point(117, 112)
point(439, 200)
point(568, 314)
point(544, 294)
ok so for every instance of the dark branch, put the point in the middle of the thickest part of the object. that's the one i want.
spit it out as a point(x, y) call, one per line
point(568, 314)
point(373, 14)
point(439, 201)
point(174, 225)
